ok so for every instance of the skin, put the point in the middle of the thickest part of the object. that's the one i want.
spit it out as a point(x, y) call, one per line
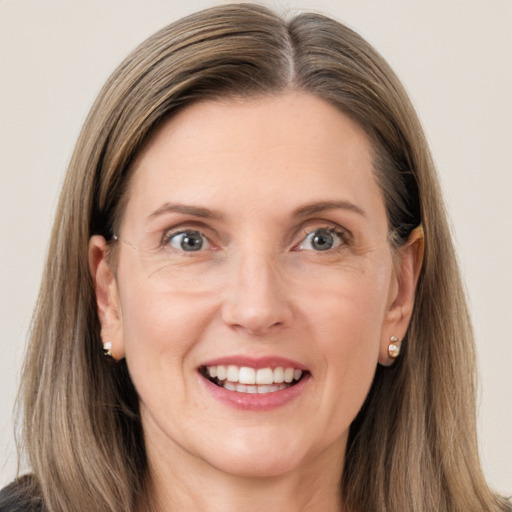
point(258, 288)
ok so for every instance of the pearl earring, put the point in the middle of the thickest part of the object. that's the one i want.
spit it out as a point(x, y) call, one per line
point(394, 347)
point(107, 348)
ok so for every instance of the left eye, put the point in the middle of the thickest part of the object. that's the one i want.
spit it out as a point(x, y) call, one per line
point(321, 240)
point(188, 241)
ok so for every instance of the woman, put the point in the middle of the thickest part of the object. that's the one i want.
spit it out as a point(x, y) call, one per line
point(245, 303)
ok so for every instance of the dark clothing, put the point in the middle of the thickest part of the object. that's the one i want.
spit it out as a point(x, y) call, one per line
point(20, 496)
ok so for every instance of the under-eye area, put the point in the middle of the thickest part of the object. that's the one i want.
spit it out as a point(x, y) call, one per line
point(243, 379)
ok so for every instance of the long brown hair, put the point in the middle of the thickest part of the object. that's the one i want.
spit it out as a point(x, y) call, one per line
point(413, 445)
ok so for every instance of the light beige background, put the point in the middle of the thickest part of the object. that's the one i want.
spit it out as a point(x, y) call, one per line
point(455, 60)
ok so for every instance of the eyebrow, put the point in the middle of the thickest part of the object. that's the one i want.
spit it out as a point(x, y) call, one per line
point(312, 208)
point(196, 211)
point(303, 211)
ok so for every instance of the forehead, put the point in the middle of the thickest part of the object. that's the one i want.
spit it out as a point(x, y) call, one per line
point(277, 152)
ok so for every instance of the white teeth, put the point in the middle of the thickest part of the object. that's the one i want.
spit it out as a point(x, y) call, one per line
point(264, 376)
point(288, 374)
point(221, 372)
point(250, 380)
point(232, 373)
point(230, 386)
point(279, 375)
point(242, 388)
point(247, 375)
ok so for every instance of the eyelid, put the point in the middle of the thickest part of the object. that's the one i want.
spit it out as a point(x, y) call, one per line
point(336, 232)
point(310, 227)
point(205, 240)
point(197, 227)
point(343, 232)
point(301, 232)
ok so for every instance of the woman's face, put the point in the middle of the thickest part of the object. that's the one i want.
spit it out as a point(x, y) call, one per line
point(253, 248)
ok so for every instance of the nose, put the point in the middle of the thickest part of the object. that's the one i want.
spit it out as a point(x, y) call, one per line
point(256, 296)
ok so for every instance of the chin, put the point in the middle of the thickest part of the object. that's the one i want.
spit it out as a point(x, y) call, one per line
point(259, 466)
point(259, 454)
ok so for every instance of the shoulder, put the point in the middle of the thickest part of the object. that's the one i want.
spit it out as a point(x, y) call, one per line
point(21, 496)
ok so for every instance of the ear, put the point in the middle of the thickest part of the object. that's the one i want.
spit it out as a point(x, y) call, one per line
point(107, 297)
point(401, 300)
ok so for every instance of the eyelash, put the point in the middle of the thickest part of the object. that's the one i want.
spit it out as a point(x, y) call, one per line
point(169, 235)
point(343, 235)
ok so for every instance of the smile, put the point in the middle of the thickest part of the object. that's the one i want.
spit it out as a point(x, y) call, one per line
point(244, 379)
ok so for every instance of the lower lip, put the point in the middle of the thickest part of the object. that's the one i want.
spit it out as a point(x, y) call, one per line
point(256, 401)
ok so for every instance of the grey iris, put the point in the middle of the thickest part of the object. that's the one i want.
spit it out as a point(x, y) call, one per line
point(322, 240)
point(191, 241)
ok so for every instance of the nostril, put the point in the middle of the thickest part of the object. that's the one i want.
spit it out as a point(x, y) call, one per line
point(258, 331)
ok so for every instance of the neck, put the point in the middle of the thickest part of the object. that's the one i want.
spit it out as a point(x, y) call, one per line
point(196, 485)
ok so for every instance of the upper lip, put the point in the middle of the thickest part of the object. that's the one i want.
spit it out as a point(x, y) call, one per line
point(256, 362)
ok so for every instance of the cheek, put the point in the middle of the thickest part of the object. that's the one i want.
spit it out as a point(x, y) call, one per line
point(347, 307)
point(346, 321)
point(161, 326)
point(161, 329)
point(157, 312)
point(348, 333)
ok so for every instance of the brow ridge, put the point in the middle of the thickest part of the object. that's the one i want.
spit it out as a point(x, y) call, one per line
point(196, 211)
point(318, 207)
point(302, 211)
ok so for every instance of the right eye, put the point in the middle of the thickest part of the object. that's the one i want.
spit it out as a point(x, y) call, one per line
point(323, 239)
point(189, 241)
